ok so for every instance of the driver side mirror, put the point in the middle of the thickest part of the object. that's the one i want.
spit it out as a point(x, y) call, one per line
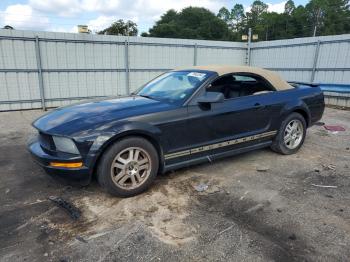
point(211, 97)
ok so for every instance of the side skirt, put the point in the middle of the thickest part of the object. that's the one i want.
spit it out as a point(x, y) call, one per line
point(209, 158)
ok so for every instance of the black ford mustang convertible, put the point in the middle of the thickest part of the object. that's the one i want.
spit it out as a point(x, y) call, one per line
point(180, 118)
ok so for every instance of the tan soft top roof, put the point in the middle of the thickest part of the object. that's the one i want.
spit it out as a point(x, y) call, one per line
point(272, 77)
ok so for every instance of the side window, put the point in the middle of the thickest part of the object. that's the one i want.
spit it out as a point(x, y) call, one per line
point(244, 78)
point(237, 85)
point(222, 84)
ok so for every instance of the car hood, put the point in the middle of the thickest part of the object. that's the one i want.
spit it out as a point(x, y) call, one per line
point(74, 119)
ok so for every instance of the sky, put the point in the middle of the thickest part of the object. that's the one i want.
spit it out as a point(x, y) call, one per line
point(65, 15)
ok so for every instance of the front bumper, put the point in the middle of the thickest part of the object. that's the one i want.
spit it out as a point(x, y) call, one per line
point(43, 157)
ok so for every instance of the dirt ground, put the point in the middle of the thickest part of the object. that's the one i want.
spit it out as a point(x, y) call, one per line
point(259, 206)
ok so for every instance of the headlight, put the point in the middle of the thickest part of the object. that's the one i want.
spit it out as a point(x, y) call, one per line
point(64, 144)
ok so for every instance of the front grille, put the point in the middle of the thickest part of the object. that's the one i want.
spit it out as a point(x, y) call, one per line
point(46, 141)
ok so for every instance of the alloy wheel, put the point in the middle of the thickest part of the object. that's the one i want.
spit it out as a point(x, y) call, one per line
point(131, 168)
point(293, 134)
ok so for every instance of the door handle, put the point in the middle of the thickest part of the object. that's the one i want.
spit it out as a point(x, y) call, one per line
point(259, 106)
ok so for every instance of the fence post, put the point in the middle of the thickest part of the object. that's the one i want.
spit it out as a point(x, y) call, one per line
point(249, 45)
point(40, 73)
point(127, 69)
point(314, 66)
point(195, 54)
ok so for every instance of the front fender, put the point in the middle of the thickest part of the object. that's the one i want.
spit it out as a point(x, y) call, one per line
point(114, 133)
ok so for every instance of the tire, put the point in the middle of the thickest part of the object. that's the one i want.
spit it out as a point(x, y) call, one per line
point(283, 143)
point(132, 173)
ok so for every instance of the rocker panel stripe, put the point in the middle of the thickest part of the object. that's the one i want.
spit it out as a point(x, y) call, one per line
point(219, 145)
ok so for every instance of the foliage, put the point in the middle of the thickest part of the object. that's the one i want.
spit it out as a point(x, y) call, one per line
point(319, 17)
point(120, 28)
point(192, 23)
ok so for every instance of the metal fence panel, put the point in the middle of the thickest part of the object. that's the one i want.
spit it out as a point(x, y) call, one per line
point(159, 57)
point(17, 87)
point(283, 57)
point(337, 99)
point(63, 86)
point(39, 69)
point(323, 59)
point(220, 56)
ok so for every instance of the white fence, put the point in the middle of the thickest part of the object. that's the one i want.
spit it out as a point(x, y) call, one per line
point(45, 69)
point(313, 59)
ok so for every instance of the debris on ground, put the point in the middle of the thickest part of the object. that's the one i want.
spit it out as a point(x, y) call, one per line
point(322, 132)
point(324, 186)
point(292, 237)
point(225, 230)
point(329, 167)
point(201, 187)
point(262, 169)
point(242, 197)
point(213, 189)
point(81, 239)
point(258, 207)
point(68, 207)
point(207, 187)
point(334, 128)
point(319, 124)
point(7, 191)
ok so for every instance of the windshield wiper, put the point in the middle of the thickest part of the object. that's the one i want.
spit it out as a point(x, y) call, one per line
point(147, 96)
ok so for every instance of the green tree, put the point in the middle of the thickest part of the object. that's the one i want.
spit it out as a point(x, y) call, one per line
point(328, 17)
point(324, 17)
point(287, 16)
point(120, 28)
point(316, 12)
point(289, 7)
point(254, 17)
point(299, 22)
point(165, 26)
point(224, 14)
point(238, 18)
point(336, 18)
point(258, 8)
point(192, 23)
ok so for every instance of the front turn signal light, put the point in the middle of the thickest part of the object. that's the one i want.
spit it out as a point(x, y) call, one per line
point(67, 165)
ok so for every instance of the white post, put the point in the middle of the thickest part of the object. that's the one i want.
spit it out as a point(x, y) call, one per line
point(40, 73)
point(314, 66)
point(195, 55)
point(127, 69)
point(249, 44)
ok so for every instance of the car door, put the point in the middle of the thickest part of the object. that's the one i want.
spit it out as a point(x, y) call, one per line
point(246, 117)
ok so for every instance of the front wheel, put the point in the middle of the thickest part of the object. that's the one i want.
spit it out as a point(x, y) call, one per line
point(291, 135)
point(128, 167)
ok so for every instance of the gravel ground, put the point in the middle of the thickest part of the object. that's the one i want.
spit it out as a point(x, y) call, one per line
point(259, 206)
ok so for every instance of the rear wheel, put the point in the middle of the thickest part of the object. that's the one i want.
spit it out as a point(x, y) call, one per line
point(128, 167)
point(291, 135)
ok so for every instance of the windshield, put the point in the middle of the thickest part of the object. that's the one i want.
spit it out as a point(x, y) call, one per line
point(175, 86)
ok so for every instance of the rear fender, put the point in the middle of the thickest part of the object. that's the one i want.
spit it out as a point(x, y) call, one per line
point(296, 106)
